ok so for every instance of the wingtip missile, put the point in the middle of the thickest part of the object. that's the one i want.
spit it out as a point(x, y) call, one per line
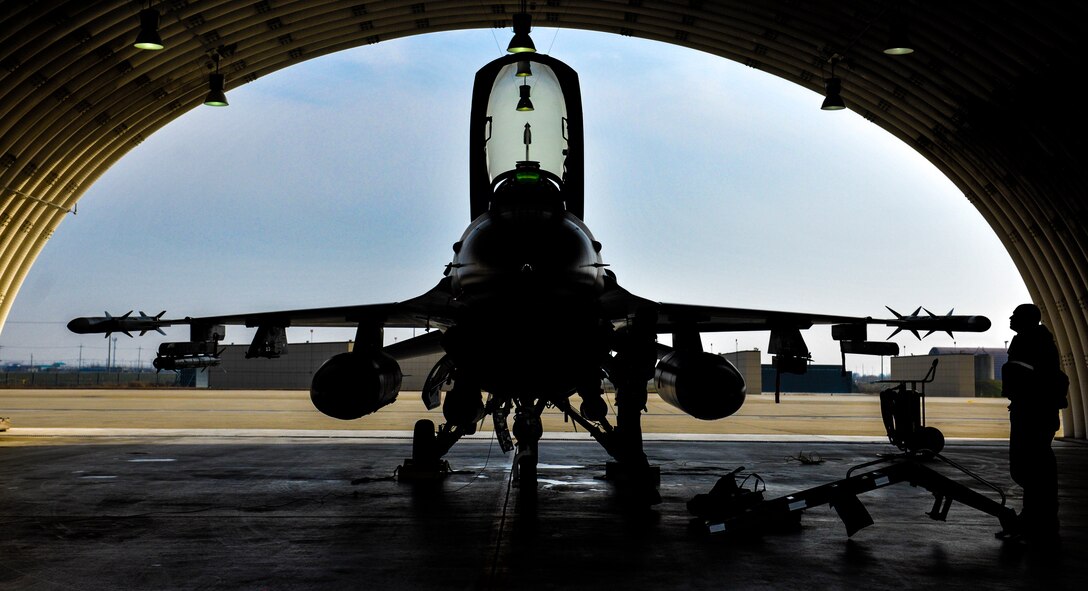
point(933, 323)
point(126, 324)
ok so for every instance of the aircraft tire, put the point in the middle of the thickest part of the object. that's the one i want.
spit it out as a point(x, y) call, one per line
point(424, 442)
point(527, 470)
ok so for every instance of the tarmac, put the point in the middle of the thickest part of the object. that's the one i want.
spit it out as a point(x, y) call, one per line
point(146, 507)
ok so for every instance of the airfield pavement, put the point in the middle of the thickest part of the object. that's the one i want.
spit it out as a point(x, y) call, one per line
point(183, 489)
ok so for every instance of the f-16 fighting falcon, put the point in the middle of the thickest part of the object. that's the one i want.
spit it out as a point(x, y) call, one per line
point(527, 310)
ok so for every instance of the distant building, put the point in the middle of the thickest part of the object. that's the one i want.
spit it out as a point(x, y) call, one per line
point(956, 374)
point(292, 371)
point(821, 379)
point(295, 369)
point(998, 356)
point(747, 363)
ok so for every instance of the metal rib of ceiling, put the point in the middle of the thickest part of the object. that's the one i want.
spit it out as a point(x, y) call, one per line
point(983, 98)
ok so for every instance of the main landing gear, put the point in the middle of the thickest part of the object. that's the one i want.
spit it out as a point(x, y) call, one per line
point(629, 370)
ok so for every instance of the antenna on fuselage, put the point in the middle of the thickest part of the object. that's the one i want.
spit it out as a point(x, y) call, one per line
point(527, 137)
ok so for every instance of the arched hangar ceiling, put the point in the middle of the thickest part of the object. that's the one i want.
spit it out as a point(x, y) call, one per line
point(987, 97)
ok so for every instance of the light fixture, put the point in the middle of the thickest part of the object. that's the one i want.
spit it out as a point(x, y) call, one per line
point(898, 41)
point(521, 41)
point(833, 89)
point(148, 37)
point(833, 95)
point(524, 69)
point(525, 104)
point(216, 97)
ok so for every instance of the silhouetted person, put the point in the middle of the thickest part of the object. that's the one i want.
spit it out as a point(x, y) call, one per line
point(1029, 382)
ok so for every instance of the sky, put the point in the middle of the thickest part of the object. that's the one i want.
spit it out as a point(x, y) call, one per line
point(343, 180)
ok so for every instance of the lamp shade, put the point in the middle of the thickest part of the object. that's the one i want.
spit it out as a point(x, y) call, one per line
point(525, 104)
point(833, 95)
point(898, 43)
point(522, 42)
point(216, 97)
point(148, 37)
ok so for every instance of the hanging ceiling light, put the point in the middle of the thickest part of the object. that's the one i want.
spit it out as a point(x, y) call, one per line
point(524, 69)
point(522, 42)
point(833, 88)
point(833, 95)
point(525, 104)
point(148, 37)
point(216, 97)
point(898, 40)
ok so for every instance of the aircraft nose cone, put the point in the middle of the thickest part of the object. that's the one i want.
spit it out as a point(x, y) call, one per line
point(78, 325)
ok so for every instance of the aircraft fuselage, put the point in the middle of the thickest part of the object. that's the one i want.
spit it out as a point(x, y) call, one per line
point(522, 263)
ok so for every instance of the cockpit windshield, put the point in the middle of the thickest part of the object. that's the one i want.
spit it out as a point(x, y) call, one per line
point(527, 120)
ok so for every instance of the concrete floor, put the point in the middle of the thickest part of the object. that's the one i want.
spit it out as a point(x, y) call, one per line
point(282, 513)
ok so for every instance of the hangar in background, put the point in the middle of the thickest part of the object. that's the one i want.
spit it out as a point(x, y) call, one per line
point(997, 358)
point(958, 374)
point(294, 370)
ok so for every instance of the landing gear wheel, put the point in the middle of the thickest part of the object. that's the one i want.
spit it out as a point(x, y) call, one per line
point(527, 470)
point(426, 463)
point(424, 443)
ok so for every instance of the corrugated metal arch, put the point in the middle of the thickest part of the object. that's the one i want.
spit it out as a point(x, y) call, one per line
point(984, 98)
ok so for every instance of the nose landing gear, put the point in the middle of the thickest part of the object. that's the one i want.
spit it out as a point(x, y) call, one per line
point(528, 430)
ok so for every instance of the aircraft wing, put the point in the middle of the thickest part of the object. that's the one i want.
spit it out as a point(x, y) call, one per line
point(623, 308)
point(671, 317)
point(433, 309)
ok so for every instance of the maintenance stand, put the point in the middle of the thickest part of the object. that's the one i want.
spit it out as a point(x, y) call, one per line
point(732, 506)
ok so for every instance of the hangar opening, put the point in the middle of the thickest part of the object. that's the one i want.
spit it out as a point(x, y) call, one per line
point(1017, 193)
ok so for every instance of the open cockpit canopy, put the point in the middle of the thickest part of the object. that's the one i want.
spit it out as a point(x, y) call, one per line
point(526, 130)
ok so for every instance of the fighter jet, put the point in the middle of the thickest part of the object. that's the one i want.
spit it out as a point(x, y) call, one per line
point(527, 310)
